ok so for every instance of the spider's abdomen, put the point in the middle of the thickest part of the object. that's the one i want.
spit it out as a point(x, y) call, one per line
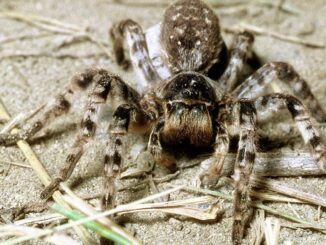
point(190, 36)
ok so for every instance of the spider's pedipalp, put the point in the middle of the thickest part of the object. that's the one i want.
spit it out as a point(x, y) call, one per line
point(210, 173)
point(255, 85)
point(302, 118)
point(156, 149)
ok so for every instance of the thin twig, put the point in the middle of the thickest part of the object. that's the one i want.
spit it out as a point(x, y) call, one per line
point(24, 37)
point(262, 31)
point(276, 186)
point(278, 164)
point(57, 27)
point(36, 54)
point(15, 164)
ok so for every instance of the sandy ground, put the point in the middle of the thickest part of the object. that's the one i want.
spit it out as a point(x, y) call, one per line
point(26, 82)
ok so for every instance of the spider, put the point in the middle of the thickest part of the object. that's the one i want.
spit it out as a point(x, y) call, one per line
point(188, 95)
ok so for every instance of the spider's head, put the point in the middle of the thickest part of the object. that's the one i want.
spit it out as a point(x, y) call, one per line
point(189, 101)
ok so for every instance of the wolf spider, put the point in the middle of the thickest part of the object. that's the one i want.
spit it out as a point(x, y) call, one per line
point(187, 96)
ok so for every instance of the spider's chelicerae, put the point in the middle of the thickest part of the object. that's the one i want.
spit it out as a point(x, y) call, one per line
point(188, 96)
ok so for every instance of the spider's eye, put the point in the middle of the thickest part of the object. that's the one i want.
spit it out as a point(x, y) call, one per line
point(168, 107)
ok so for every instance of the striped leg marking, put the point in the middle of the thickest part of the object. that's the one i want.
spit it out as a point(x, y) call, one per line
point(104, 83)
point(302, 118)
point(243, 169)
point(56, 107)
point(114, 153)
point(240, 50)
point(137, 48)
point(255, 85)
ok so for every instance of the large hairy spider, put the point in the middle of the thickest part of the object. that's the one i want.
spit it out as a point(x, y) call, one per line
point(188, 96)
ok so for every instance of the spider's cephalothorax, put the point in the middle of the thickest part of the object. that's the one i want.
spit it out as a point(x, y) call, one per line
point(189, 108)
point(187, 95)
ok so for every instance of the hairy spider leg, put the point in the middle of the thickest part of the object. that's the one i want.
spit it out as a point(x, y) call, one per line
point(255, 86)
point(55, 108)
point(310, 134)
point(243, 168)
point(139, 55)
point(105, 84)
point(240, 50)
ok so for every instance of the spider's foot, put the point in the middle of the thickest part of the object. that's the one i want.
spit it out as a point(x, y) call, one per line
point(208, 181)
point(321, 161)
point(51, 188)
point(9, 139)
point(237, 232)
point(108, 201)
point(208, 178)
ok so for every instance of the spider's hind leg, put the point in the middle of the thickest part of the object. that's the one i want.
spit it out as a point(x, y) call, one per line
point(255, 86)
point(240, 50)
point(274, 102)
point(139, 55)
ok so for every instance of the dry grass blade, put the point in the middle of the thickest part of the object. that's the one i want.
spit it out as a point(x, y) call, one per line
point(40, 220)
point(272, 229)
point(257, 205)
point(57, 27)
point(19, 119)
point(15, 164)
point(85, 208)
point(42, 175)
point(16, 230)
point(200, 208)
point(274, 185)
point(93, 217)
point(258, 228)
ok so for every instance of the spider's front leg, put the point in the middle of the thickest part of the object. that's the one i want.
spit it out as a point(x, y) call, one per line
point(255, 86)
point(243, 168)
point(135, 37)
point(55, 108)
point(123, 116)
point(104, 84)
